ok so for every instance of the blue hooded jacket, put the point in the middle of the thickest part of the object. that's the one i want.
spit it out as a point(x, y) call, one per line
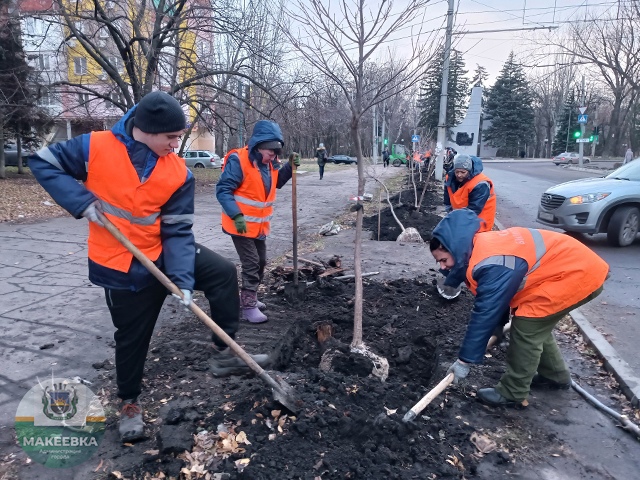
point(477, 197)
point(232, 176)
point(498, 280)
point(58, 168)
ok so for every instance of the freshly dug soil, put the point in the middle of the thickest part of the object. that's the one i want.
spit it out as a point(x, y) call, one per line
point(423, 220)
point(349, 424)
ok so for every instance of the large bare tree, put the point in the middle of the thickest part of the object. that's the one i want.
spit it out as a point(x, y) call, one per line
point(343, 41)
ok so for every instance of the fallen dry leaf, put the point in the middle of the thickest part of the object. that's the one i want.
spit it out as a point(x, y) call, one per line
point(276, 413)
point(99, 465)
point(152, 452)
point(390, 411)
point(483, 443)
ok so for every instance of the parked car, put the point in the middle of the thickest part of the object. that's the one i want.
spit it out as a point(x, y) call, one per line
point(11, 156)
point(570, 158)
point(342, 159)
point(608, 205)
point(201, 159)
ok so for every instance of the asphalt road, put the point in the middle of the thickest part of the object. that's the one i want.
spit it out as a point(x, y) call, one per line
point(616, 312)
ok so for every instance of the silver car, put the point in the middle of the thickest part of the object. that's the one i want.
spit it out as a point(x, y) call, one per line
point(570, 158)
point(608, 205)
point(201, 159)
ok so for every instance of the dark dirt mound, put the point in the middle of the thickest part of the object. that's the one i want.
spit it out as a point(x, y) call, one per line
point(424, 220)
point(349, 425)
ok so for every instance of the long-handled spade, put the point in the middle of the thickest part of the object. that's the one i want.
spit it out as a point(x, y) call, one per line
point(282, 392)
point(437, 390)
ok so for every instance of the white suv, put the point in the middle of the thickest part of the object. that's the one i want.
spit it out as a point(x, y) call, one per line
point(201, 159)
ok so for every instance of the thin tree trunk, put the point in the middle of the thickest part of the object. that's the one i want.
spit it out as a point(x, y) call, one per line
point(390, 205)
point(19, 152)
point(357, 267)
point(3, 173)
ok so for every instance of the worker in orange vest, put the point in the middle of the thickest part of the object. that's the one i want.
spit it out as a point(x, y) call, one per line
point(246, 191)
point(538, 276)
point(131, 175)
point(465, 186)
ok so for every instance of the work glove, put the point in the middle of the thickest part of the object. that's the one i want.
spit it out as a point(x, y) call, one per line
point(460, 370)
point(241, 223)
point(186, 297)
point(90, 213)
point(295, 159)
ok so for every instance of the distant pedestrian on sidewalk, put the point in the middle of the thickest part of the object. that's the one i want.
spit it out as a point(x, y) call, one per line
point(385, 158)
point(132, 176)
point(537, 275)
point(628, 156)
point(247, 191)
point(321, 156)
point(465, 186)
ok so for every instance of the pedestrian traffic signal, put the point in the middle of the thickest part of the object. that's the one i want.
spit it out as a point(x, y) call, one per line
point(577, 134)
point(386, 141)
point(591, 138)
point(596, 131)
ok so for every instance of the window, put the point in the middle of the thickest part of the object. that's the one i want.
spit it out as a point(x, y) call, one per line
point(204, 154)
point(83, 98)
point(39, 61)
point(117, 63)
point(80, 65)
point(46, 99)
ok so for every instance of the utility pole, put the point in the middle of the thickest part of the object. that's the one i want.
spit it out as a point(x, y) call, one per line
point(595, 138)
point(374, 150)
point(384, 121)
point(442, 118)
point(582, 125)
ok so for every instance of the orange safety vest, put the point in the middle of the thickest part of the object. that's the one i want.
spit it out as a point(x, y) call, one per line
point(255, 205)
point(132, 206)
point(460, 199)
point(562, 271)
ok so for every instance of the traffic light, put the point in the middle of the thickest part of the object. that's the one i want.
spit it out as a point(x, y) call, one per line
point(386, 141)
point(591, 138)
point(596, 131)
point(577, 134)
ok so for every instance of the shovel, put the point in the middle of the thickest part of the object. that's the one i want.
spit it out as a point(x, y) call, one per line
point(296, 290)
point(282, 392)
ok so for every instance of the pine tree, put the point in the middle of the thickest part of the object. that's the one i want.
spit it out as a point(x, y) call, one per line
point(566, 124)
point(480, 76)
point(430, 90)
point(509, 107)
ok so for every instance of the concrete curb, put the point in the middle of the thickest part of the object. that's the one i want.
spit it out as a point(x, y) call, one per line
point(613, 363)
point(629, 382)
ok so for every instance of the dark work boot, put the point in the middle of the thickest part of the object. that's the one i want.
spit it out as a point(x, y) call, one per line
point(491, 397)
point(249, 307)
point(225, 363)
point(544, 382)
point(131, 424)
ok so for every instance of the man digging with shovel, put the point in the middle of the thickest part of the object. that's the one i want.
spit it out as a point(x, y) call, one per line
point(540, 275)
point(247, 191)
point(131, 175)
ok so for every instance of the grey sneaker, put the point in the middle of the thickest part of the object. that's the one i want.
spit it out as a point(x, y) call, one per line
point(224, 363)
point(131, 423)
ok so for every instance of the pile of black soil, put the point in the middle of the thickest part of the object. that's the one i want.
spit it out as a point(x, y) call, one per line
point(349, 424)
point(423, 220)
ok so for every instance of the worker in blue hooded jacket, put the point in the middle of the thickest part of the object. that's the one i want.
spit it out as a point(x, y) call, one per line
point(247, 191)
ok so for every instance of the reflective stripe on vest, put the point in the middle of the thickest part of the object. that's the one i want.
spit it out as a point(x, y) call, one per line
point(254, 204)
point(561, 270)
point(133, 206)
point(460, 199)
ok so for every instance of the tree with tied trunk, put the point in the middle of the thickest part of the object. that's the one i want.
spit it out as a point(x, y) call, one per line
point(340, 42)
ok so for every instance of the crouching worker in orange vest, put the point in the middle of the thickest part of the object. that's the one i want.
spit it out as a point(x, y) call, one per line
point(247, 191)
point(467, 187)
point(537, 274)
point(131, 174)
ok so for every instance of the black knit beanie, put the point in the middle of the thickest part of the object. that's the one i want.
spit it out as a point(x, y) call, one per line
point(159, 112)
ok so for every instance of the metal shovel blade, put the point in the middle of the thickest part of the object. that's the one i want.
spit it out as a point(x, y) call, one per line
point(295, 292)
point(446, 292)
point(285, 395)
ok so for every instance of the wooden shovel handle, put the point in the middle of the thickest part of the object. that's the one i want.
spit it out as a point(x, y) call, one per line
point(433, 393)
point(173, 288)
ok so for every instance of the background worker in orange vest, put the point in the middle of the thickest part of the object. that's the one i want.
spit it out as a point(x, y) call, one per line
point(247, 191)
point(538, 275)
point(467, 187)
point(131, 174)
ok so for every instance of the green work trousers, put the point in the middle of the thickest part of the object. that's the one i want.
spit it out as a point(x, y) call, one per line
point(533, 348)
